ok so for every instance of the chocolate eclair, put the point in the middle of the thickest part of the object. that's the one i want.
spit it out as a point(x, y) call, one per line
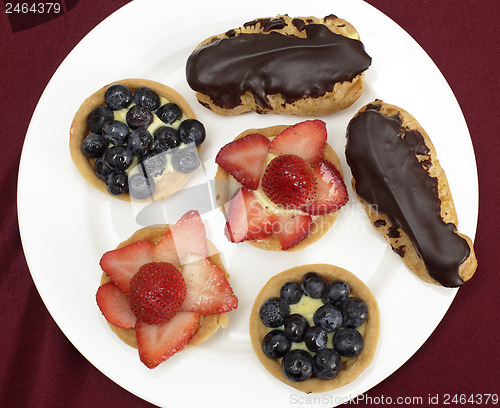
point(404, 190)
point(302, 66)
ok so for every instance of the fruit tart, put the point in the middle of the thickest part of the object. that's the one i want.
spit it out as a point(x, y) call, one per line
point(280, 188)
point(165, 289)
point(136, 139)
point(315, 327)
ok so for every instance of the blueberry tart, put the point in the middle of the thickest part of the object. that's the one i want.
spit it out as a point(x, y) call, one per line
point(315, 327)
point(136, 140)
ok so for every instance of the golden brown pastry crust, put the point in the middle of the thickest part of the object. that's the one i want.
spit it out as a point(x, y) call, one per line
point(352, 367)
point(343, 95)
point(448, 212)
point(169, 184)
point(208, 324)
point(320, 226)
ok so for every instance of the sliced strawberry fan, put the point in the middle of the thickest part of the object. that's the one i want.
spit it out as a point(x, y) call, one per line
point(296, 178)
point(207, 290)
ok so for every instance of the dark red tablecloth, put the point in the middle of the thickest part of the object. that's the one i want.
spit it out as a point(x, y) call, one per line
point(39, 367)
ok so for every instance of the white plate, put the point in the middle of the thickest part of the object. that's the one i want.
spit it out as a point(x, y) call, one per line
point(66, 225)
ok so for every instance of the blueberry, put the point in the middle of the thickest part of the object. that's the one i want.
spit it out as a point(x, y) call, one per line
point(118, 97)
point(118, 158)
point(140, 142)
point(348, 342)
point(186, 160)
point(327, 363)
point(154, 163)
point(115, 132)
point(147, 98)
point(169, 113)
point(297, 365)
point(291, 293)
point(94, 145)
point(98, 117)
point(315, 338)
point(192, 131)
point(166, 138)
point(117, 183)
point(101, 169)
point(275, 344)
point(328, 318)
point(139, 117)
point(313, 285)
point(273, 312)
point(354, 312)
point(140, 186)
point(296, 327)
point(335, 292)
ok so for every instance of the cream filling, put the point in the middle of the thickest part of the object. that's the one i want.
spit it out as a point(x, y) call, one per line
point(306, 307)
point(121, 115)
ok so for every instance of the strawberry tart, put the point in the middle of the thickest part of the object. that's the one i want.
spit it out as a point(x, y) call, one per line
point(280, 188)
point(165, 289)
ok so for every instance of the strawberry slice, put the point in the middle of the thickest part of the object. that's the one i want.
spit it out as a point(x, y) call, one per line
point(290, 229)
point(121, 264)
point(115, 307)
point(331, 193)
point(289, 182)
point(244, 159)
point(247, 218)
point(305, 139)
point(165, 250)
point(157, 343)
point(207, 289)
point(186, 237)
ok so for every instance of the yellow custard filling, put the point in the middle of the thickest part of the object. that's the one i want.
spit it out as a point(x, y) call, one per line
point(306, 307)
point(121, 115)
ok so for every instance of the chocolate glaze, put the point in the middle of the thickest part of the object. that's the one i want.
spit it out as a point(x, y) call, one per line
point(400, 250)
point(267, 24)
point(389, 177)
point(393, 232)
point(299, 24)
point(267, 64)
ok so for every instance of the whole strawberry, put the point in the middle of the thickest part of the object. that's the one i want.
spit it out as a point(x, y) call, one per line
point(157, 291)
point(289, 181)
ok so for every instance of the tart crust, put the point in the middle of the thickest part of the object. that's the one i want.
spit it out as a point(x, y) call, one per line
point(320, 225)
point(169, 183)
point(208, 324)
point(352, 367)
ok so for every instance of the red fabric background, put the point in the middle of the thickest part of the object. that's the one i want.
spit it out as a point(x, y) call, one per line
point(39, 367)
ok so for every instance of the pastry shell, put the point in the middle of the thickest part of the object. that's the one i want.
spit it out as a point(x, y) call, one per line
point(321, 224)
point(402, 243)
point(169, 183)
point(343, 94)
point(208, 325)
point(351, 367)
